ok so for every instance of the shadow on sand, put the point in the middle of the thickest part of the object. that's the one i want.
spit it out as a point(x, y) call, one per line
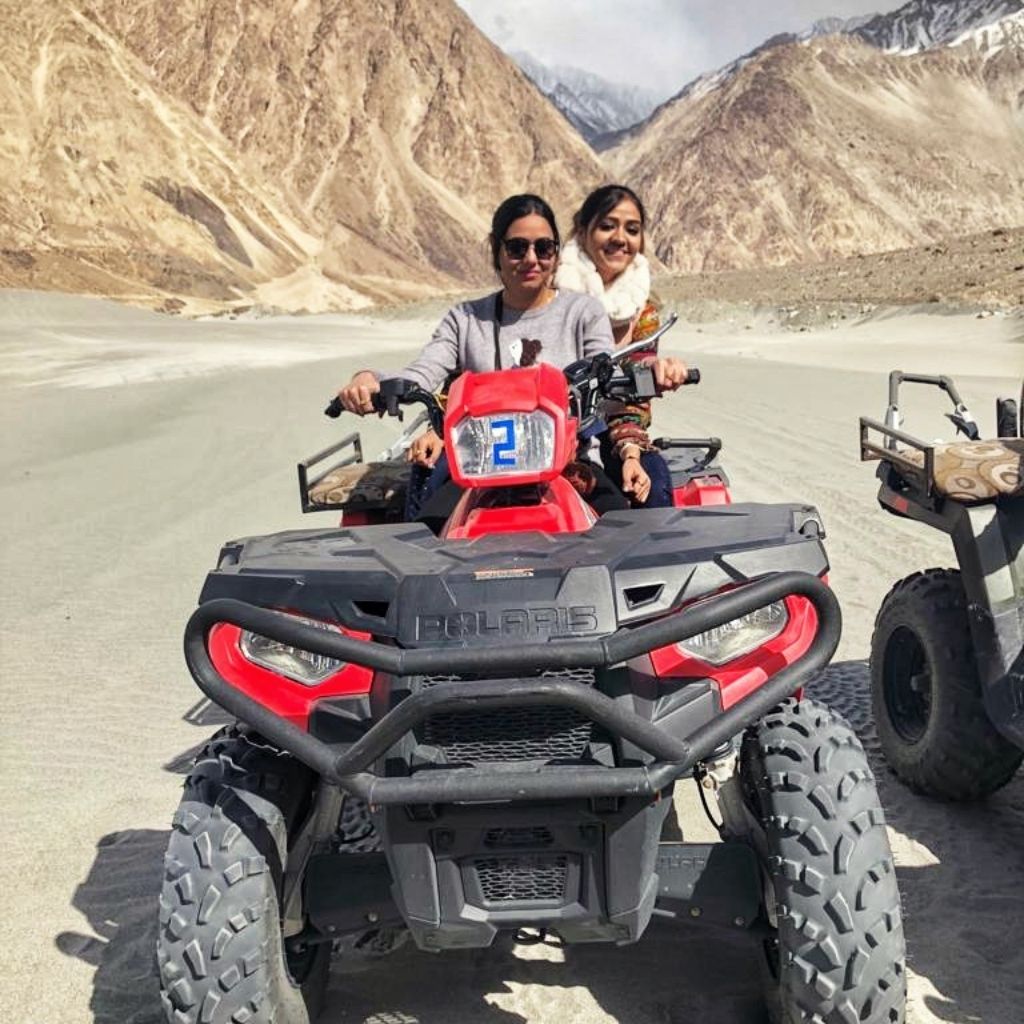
point(964, 904)
point(964, 911)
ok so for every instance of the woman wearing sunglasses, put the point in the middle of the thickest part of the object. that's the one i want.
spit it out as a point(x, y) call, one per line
point(604, 258)
point(527, 321)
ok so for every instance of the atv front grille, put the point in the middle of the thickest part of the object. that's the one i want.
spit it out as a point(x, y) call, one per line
point(504, 735)
point(517, 838)
point(537, 878)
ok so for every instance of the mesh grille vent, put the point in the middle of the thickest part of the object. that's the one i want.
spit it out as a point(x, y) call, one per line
point(505, 735)
point(512, 838)
point(522, 879)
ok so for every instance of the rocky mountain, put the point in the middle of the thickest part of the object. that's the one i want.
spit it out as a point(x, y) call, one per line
point(310, 155)
point(918, 25)
point(923, 24)
point(829, 146)
point(593, 105)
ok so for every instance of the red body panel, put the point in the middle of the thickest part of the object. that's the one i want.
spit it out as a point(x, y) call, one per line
point(701, 490)
point(560, 510)
point(532, 388)
point(283, 696)
point(360, 518)
point(745, 674)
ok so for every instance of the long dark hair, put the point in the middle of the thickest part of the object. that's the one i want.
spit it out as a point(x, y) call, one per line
point(600, 203)
point(512, 209)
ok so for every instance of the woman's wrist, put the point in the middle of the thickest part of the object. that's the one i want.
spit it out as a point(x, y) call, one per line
point(631, 451)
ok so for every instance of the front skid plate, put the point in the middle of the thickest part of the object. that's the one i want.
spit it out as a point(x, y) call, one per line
point(715, 884)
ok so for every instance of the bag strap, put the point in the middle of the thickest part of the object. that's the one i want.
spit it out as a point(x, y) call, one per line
point(499, 313)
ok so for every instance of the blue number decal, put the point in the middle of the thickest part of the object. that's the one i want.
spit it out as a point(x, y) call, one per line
point(504, 451)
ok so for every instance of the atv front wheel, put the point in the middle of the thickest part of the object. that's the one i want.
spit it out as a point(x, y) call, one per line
point(220, 950)
point(926, 695)
point(834, 951)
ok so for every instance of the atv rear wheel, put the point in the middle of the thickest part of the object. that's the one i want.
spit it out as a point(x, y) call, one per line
point(926, 696)
point(220, 949)
point(835, 951)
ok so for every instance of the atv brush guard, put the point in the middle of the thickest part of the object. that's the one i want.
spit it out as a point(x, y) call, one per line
point(674, 757)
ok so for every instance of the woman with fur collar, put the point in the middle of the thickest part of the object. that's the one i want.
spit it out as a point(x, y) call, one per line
point(605, 259)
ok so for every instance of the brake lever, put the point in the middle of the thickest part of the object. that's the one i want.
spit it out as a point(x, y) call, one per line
point(648, 342)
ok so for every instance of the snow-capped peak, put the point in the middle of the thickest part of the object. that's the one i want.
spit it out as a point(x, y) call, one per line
point(994, 37)
point(924, 24)
point(592, 104)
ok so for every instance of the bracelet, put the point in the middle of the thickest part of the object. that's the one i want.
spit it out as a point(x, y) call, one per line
point(624, 456)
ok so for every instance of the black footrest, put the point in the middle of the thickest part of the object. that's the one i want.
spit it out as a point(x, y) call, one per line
point(710, 883)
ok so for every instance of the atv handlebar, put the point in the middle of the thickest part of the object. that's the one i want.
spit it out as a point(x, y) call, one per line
point(602, 376)
point(960, 417)
point(672, 756)
point(395, 392)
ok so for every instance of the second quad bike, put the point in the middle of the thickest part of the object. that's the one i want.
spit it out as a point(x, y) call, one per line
point(440, 739)
point(947, 669)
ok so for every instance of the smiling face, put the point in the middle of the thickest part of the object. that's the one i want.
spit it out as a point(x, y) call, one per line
point(612, 241)
point(526, 279)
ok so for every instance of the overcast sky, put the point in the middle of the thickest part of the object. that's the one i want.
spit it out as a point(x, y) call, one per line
point(661, 44)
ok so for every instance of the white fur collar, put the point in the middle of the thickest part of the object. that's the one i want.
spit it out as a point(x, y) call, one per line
point(622, 299)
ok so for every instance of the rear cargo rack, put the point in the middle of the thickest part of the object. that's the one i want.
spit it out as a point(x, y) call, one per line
point(921, 473)
point(353, 441)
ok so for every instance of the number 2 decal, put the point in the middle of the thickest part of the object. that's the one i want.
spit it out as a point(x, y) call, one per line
point(504, 450)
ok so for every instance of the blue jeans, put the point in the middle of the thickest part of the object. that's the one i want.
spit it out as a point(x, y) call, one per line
point(424, 483)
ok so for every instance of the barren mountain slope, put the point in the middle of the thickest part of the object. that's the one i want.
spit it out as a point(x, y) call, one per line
point(306, 156)
point(827, 148)
point(984, 271)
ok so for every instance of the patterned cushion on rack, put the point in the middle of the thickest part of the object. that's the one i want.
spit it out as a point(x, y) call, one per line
point(365, 483)
point(976, 471)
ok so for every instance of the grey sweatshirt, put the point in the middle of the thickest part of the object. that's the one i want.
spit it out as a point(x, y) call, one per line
point(571, 326)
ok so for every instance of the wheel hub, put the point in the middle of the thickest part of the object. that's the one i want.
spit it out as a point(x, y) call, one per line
point(908, 685)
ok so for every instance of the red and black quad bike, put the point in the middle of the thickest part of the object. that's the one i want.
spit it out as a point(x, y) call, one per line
point(947, 669)
point(444, 738)
point(368, 493)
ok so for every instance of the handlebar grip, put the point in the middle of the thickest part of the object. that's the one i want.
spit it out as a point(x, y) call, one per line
point(335, 409)
point(692, 376)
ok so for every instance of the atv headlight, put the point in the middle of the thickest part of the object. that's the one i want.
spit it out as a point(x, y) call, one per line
point(507, 444)
point(303, 666)
point(739, 636)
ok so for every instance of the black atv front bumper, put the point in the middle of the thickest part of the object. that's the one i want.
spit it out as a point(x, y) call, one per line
point(504, 687)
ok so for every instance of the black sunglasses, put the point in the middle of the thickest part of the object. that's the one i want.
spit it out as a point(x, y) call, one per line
point(517, 248)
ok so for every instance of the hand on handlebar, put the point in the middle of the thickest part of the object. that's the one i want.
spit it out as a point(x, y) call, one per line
point(426, 449)
point(669, 373)
point(357, 395)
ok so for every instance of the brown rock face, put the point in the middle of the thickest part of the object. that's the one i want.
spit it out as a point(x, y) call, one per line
point(831, 148)
point(311, 155)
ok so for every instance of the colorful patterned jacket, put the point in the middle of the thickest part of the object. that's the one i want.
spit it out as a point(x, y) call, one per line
point(628, 423)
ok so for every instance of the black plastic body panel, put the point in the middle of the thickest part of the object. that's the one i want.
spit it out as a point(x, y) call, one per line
point(401, 582)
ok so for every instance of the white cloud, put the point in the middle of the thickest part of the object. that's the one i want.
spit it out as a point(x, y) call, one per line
point(661, 44)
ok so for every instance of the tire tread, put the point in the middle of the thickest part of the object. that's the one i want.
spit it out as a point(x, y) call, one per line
point(962, 756)
point(841, 946)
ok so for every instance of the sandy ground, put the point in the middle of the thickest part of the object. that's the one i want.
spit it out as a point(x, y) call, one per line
point(134, 445)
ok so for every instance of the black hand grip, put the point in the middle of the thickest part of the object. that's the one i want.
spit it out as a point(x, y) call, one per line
point(692, 376)
point(335, 409)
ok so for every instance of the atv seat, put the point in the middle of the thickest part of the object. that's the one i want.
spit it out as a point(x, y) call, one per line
point(975, 472)
point(361, 486)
